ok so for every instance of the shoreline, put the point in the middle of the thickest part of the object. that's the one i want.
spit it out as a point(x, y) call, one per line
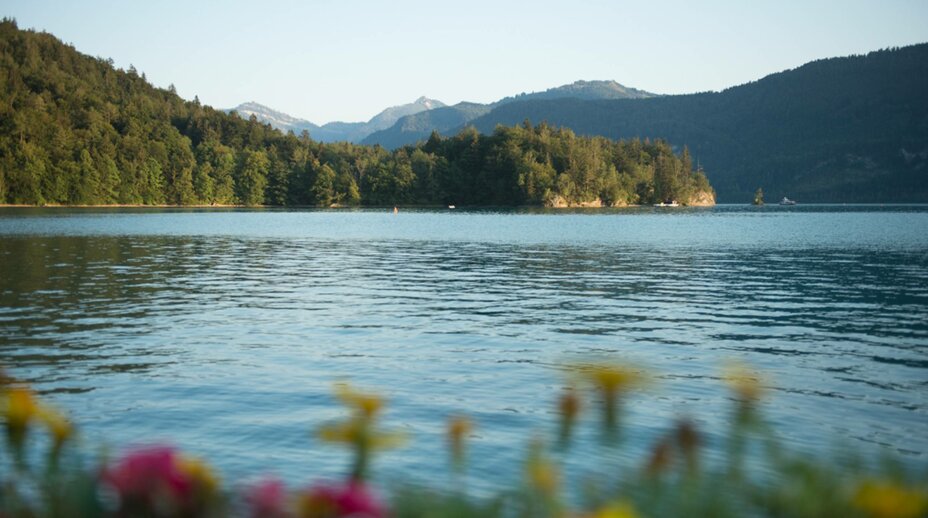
point(338, 207)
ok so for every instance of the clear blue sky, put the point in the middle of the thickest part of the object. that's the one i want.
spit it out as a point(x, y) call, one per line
point(329, 60)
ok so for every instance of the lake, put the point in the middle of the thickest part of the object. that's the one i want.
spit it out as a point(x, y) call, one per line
point(223, 331)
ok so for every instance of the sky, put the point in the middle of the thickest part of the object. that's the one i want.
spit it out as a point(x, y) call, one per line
point(326, 60)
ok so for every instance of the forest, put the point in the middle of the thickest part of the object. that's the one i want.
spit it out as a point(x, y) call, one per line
point(75, 130)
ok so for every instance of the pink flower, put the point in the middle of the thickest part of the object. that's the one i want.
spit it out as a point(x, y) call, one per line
point(353, 499)
point(268, 499)
point(148, 474)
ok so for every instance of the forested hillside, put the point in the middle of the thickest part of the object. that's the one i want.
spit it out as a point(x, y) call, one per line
point(851, 129)
point(75, 130)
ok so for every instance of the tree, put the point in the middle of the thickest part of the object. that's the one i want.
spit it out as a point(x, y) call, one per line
point(252, 177)
point(323, 188)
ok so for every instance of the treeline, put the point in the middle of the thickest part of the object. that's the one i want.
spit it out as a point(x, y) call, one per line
point(75, 130)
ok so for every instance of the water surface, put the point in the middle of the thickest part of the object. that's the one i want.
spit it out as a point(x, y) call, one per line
point(222, 331)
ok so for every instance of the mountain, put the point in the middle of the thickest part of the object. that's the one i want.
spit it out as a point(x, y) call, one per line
point(588, 90)
point(336, 131)
point(413, 128)
point(851, 129)
point(277, 119)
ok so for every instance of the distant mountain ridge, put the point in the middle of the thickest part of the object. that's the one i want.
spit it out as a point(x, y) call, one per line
point(335, 131)
point(418, 126)
point(407, 123)
point(279, 120)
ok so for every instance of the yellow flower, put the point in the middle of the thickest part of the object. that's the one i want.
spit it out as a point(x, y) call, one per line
point(199, 473)
point(888, 500)
point(58, 425)
point(746, 384)
point(458, 429)
point(616, 510)
point(21, 408)
point(358, 432)
point(613, 379)
point(542, 474)
point(367, 405)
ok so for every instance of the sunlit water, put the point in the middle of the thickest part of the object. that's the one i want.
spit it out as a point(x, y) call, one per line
point(223, 331)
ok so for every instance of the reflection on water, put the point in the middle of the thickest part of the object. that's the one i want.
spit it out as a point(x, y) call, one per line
point(225, 331)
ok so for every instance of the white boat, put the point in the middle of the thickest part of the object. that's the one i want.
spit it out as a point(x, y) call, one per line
point(787, 201)
point(671, 204)
point(450, 206)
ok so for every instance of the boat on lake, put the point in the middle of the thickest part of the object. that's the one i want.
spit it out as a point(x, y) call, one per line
point(787, 201)
point(672, 203)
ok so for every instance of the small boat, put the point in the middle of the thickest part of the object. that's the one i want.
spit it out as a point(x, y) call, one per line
point(787, 201)
point(670, 204)
point(450, 206)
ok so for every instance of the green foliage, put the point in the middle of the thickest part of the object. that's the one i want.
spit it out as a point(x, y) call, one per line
point(837, 130)
point(74, 130)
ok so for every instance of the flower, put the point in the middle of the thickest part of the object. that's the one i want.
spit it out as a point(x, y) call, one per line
point(569, 408)
point(612, 381)
point(198, 473)
point(160, 478)
point(367, 405)
point(888, 500)
point(147, 473)
point(616, 510)
point(745, 383)
point(543, 476)
point(19, 409)
point(353, 499)
point(268, 499)
point(57, 424)
point(458, 428)
point(358, 432)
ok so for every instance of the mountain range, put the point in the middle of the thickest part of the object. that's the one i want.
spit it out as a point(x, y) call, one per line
point(846, 129)
point(849, 129)
point(418, 118)
point(335, 131)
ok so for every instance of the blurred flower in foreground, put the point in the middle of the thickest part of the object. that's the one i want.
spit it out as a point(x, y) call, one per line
point(268, 499)
point(569, 409)
point(458, 428)
point(620, 509)
point(888, 500)
point(366, 405)
point(20, 409)
point(543, 475)
point(745, 383)
point(612, 382)
point(158, 478)
point(683, 441)
point(353, 499)
point(359, 431)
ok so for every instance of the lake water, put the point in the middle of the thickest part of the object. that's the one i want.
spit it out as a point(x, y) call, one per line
point(223, 331)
